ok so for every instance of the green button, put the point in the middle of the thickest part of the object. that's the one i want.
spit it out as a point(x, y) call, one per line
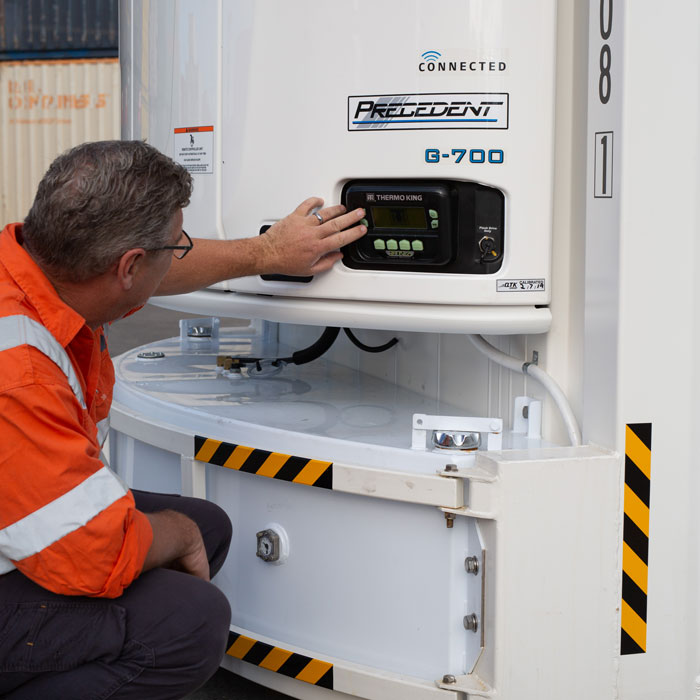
point(434, 223)
point(391, 244)
point(432, 214)
point(379, 244)
point(364, 222)
point(405, 245)
point(417, 245)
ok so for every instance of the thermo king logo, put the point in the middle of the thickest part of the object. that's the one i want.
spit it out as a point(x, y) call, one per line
point(463, 110)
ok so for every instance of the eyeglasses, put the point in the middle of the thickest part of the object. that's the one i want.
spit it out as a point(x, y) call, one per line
point(181, 250)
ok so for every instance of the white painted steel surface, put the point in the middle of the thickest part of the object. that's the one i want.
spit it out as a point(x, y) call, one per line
point(350, 680)
point(551, 587)
point(379, 538)
point(378, 585)
point(556, 598)
point(435, 318)
point(352, 415)
point(642, 324)
point(276, 142)
point(47, 107)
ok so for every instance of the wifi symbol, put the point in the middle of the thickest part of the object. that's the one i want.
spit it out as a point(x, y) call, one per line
point(431, 55)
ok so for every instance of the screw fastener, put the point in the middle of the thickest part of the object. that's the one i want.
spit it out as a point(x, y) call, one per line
point(449, 519)
point(450, 467)
point(471, 622)
point(449, 678)
point(471, 564)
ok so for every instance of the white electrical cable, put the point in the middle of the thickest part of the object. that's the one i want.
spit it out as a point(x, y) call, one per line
point(512, 363)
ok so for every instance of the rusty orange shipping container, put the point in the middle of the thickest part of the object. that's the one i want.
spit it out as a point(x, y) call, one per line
point(48, 106)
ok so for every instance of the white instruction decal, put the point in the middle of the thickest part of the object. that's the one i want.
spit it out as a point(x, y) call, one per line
point(194, 148)
point(520, 285)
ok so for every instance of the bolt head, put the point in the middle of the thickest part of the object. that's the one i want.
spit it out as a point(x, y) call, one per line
point(471, 564)
point(471, 622)
point(449, 678)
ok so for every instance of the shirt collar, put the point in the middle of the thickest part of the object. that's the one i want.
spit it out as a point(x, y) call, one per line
point(62, 321)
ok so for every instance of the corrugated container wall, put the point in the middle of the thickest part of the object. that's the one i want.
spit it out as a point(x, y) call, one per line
point(60, 86)
point(58, 29)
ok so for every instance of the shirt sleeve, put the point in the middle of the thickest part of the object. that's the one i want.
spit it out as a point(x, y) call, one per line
point(67, 521)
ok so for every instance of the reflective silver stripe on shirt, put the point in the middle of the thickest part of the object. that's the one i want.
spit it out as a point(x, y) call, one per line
point(22, 330)
point(63, 515)
point(72, 510)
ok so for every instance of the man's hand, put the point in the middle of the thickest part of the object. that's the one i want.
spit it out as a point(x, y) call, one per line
point(298, 245)
point(301, 244)
point(177, 544)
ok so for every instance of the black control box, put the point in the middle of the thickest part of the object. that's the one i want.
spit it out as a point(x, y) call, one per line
point(427, 226)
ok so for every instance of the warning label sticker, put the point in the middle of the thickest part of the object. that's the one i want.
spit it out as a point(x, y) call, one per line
point(194, 148)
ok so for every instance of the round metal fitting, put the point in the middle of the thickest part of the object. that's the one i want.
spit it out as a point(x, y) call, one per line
point(450, 467)
point(450, 519)
point(456, 440)
point(448, 678)
point(471, 564)
point(471, 622)
point(199, 332)
point(272, 544)
point(268, 547)
point(151, 355)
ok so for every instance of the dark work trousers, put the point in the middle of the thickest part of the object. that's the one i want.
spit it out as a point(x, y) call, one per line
point(160, 640)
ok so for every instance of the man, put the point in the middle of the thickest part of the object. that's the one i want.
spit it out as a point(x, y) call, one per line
point(104, 592)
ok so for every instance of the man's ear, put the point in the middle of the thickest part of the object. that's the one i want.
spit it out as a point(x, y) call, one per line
point(128, 267)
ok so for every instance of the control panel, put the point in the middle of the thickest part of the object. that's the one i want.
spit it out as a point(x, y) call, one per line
point(427, 226)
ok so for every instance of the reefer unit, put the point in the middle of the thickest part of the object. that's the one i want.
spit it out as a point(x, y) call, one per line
point(412, 523)
point(440, 123)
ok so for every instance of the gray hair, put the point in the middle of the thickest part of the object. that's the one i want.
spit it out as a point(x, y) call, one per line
point(100, 199)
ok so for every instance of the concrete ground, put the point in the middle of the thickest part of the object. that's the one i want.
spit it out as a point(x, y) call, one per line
point(146, 326)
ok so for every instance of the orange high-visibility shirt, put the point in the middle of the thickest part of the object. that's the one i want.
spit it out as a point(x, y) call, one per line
point(66, 521)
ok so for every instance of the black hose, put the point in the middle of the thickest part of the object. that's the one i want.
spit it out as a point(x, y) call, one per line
point(313, 352)
point(370, 348)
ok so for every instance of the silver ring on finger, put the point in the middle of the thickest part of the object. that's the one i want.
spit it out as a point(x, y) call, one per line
point(319, 217)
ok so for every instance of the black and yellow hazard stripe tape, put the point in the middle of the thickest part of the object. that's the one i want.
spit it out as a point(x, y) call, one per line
point(303, 668)
point(273, 465)
point(635, 536)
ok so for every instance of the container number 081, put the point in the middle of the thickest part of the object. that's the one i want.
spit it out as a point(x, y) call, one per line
point(475, 155)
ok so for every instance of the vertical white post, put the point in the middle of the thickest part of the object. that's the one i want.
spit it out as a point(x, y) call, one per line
point(193, 474)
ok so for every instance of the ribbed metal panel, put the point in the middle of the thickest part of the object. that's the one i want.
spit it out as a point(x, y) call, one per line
point(59, 28)
point(47, 107)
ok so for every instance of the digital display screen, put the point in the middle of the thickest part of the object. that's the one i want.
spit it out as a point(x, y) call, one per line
point(398, 217)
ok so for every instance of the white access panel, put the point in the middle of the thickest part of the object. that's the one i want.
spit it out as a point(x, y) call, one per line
point(374, 580)
point(270, 93)
point(293, 82)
